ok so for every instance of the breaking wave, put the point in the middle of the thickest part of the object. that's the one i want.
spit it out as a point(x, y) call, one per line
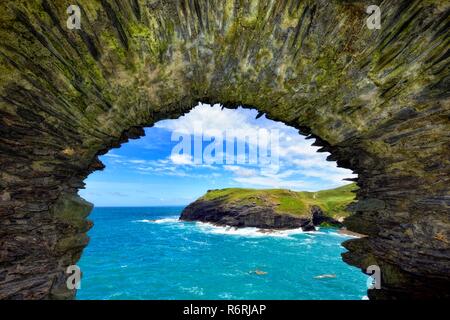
point(164, 220)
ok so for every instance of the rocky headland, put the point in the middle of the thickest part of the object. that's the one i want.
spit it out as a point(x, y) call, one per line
point(271, 208)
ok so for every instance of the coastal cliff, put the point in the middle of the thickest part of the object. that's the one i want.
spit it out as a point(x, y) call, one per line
point(271, 208)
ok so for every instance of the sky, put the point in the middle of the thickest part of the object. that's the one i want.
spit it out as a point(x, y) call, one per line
point(178, 160)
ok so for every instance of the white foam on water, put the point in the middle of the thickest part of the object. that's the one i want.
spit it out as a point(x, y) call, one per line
point(194, 290)
point(226, 296)
point(308, 241)
point(248, 231)
point(164, 220)
point(144, 221)
point(340, 235)
point(167, 220)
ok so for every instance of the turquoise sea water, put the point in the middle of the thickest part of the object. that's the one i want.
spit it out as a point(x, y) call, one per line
point(146, 253)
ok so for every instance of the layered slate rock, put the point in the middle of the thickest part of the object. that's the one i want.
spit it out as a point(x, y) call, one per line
point(244, 216)
point(270, 208)
point(241, 216)
point(377, 100)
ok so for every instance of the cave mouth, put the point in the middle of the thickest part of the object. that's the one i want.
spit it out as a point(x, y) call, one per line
point(70, 213)
point(148, 181)
point(256, 152)
point(377, 100)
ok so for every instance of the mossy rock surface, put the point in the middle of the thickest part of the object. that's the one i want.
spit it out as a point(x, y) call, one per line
point(376, 100)
point(332, 202)
point(272, 208)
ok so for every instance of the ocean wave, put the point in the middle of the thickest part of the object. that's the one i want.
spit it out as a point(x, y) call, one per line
point(340, 235)
point(250, 232)
point(167, 220)
point(163, 220)
point(194, 290)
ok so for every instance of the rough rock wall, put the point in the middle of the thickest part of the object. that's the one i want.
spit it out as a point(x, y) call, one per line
point(243, 215)
point(377, 100)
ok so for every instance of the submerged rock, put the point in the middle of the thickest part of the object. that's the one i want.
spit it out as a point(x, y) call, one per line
point(259, 272)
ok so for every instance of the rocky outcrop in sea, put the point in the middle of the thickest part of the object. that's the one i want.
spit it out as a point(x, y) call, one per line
point(220, 212)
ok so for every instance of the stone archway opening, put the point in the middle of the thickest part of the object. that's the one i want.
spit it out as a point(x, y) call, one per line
point(213, 137)
point(376, 100)
point(147, 182)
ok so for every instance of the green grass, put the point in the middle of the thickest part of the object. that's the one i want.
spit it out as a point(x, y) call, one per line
point(333, 201)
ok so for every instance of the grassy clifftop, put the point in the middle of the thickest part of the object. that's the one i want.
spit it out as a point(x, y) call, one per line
point(332, 202)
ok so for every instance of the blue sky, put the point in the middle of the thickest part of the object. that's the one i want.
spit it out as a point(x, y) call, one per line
point(148, 171)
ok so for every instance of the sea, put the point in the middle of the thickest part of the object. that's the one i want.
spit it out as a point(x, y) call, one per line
point(147, 253)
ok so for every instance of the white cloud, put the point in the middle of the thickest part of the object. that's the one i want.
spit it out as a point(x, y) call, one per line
point(210, 119)
point(293, 148)
point(112, 155)
point(299, 162)
point(241, 171)
point(181, 159)
point(268, 182)
point(137, 161)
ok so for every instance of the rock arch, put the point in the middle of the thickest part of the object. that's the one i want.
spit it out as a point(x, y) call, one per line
point(376, 99)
